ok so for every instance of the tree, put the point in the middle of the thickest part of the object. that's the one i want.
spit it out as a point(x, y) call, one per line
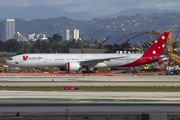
point(55, 42)
point(2, 43)
point(45, 47)
point(37, 46)
point(96, 43)
point(12, 46)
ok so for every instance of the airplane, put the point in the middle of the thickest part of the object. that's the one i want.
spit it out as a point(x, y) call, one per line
point(74, 62)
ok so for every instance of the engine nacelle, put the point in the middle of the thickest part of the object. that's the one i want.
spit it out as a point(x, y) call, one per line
point(72, 66)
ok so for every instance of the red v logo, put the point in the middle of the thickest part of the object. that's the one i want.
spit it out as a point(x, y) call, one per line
point(25, 57)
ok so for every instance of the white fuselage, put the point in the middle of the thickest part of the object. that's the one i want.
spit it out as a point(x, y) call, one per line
point(73, 62)
point(59, 60)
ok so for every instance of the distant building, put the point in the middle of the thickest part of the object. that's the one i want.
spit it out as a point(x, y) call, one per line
point(67, 34)
point(31, 36)
point(1, 28)
point(76, 34)
point(36, 36)
point(7, 29)
point(44, 36)
point(19, 37)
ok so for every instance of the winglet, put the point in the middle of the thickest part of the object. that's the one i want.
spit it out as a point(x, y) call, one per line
point(157, 47)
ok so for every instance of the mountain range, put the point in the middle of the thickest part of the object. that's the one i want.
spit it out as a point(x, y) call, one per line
point(99, 28)
point(30, 13)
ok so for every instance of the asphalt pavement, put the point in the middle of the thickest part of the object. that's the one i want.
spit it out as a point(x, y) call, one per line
point(131, 80)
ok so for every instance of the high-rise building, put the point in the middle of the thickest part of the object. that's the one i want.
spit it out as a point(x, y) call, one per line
point(76, 34)
point(8, 29)
point(1, 28)
point(67, 34)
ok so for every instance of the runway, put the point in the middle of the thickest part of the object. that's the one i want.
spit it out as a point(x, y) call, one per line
point(30, 103)
point(133, 80)
point(91, 96)
point(32, 109)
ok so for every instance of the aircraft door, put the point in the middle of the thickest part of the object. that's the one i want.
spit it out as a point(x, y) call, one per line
point(21, 59)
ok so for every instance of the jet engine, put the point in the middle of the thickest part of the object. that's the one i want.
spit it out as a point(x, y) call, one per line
point(72, 66)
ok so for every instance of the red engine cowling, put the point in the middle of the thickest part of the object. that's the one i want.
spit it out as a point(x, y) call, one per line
point(72, 66)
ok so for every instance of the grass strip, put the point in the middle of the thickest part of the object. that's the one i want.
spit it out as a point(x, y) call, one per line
point(100, 88)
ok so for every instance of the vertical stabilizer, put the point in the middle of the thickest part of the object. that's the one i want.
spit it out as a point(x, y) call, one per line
point(157, 47)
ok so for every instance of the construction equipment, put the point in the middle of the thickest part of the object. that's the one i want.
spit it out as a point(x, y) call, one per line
point(145, 68)
point(9, 69)
point(103, 70)
point(172, 56)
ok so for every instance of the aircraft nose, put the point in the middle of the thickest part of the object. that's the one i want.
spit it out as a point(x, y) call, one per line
point(6, 62)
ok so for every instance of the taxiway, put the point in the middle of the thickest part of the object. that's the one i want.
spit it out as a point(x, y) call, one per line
point(131, 80)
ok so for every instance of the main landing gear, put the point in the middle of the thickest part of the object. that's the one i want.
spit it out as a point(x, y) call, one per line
point(89, 70)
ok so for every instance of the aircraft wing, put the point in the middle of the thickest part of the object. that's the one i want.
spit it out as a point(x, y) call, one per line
point(96, 61)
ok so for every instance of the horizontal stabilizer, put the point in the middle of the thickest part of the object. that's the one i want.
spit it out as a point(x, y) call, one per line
point(157, 58)
point(162, 58)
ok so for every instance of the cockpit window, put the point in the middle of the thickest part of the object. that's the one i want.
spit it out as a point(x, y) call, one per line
point(10, 59)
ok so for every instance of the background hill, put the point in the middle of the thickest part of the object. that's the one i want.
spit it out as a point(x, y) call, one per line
point(42, 12)
point(134, 11)
point(30, 13)
point(99, 28)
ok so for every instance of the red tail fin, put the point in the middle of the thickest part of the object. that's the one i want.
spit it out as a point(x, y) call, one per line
point(157, 47)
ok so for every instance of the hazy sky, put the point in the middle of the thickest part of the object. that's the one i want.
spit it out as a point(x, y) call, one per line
point(99, 7)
